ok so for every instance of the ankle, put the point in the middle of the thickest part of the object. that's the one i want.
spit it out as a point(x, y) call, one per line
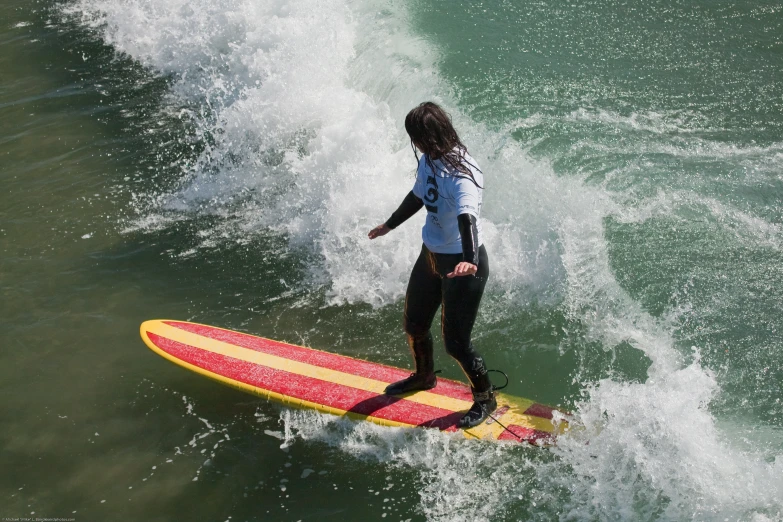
point(483, 396)
point(414, 382)
point(484, 403)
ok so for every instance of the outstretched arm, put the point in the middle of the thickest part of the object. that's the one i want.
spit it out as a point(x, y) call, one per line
point(409, 206)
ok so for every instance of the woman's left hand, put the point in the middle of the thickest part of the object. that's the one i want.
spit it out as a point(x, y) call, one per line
point(380, 230)
point(463, 269)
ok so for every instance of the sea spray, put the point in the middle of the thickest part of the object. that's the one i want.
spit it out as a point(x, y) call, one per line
point(652, 451)
point(291, 146)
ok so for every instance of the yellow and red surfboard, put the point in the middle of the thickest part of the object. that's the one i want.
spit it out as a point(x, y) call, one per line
point(339, 385)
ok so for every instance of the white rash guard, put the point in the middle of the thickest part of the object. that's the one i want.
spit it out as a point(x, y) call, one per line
point(446, 194)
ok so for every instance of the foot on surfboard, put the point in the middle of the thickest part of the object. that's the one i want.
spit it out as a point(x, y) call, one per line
point(415, 382)
point(484, 403)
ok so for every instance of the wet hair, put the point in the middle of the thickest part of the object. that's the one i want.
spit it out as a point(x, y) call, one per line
point(430, 129)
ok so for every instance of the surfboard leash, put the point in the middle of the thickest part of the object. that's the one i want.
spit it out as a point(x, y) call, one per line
point(494, 388)
point(504, 375)
point(504, 427)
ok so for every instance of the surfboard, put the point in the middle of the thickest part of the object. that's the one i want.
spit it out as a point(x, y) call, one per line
point(339, 385)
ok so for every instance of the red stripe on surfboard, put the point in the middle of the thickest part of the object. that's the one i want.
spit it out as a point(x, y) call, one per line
point(520, 433)
point(539, 410)
point(328, 360)
point(310, 389)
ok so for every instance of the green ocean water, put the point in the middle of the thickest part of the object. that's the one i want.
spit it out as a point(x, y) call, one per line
point(221, 162)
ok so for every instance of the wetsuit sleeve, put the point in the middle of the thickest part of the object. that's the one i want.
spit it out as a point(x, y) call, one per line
point(469, 233)
point(409, 206)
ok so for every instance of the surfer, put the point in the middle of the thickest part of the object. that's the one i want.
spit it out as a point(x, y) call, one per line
point(453, 267)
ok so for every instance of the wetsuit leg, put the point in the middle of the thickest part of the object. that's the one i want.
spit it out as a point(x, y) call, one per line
point(423, 295)
point(461, 297)
point(421, 302)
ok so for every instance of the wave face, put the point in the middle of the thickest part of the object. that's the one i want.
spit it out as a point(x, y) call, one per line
point(296, 109)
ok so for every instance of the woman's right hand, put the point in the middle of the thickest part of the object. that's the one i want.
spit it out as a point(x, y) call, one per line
point(380, 230)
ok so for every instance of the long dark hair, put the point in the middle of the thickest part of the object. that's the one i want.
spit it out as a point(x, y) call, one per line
point(430, 129)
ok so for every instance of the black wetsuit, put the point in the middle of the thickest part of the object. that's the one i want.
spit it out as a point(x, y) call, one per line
point(459, 297)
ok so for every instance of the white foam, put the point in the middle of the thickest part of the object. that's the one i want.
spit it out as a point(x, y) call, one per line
point(745, 227)
point(656, 445)
point(304, 118)
point(459, 479)
point(670, 122)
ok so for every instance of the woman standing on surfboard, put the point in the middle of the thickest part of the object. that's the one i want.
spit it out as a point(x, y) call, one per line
point(452, 269)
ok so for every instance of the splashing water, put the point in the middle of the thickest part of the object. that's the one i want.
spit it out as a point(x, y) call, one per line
point(301, 117)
